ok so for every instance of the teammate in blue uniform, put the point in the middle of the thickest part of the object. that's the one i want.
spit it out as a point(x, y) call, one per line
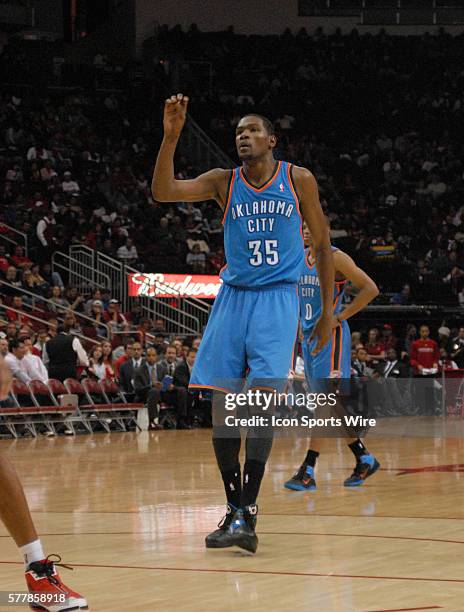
point(334, 360)
point(253, 324)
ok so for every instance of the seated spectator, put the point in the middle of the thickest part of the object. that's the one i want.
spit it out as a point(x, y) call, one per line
point(374, 347)
point(196, 260)
point(135, 314)
point(4, 262)
point(19, 318)
point(445, 362)
point(42, 338)
point(403, 298)
point(388, 339)
point(34, 365)
point(51, 278)
point(127, 253)
point(147, 387)
point(98, 316)
point(15, 360)
point(59, 303)
point(96, 366)
point(75, 299)
point(128, 354)
point(19, 259)
point(126, 371)
point(3, 345)
point(114, 318)
point(14, 279)
point(11, 330)
point(393, 368)
point(107, 351)
point(182, 375)
point(69, 186)
point(359, 366)
point(456, 348)
point(171, 394)
point(39, 281)
point(96, 297)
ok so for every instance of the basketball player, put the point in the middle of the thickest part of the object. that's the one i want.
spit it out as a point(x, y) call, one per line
point(253, 324)
point(334, 360)
point(41, 575)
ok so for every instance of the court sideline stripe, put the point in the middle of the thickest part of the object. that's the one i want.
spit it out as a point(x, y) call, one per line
point(254, 572)
point(408, 609)
point(306, 515)
point(273, 533)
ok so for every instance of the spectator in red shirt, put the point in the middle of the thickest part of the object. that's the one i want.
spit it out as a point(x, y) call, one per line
point(375, 347)
point(4, 263)
point(128, 354)
point(388, 339)
point(19, 260)
point(424, 352)
point(17, 317)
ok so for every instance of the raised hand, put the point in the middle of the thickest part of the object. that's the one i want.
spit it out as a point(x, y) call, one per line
point(175, 112)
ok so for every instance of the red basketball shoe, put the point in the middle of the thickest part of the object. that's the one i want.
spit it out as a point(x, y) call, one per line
point(48, 591)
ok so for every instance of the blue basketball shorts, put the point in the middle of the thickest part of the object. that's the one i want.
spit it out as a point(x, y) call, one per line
point(250, 335)
point(333, 361)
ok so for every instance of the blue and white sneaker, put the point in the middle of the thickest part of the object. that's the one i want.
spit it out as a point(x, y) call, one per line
point(303, 480)
point(241, 531)
point(365, 467)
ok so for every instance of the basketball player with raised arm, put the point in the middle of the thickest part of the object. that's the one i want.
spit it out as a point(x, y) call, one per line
point(334, 360)
point(43, 581)
point(253, 324)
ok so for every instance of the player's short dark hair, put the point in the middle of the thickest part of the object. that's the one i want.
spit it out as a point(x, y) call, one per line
point(192, 350)
point(269, 126)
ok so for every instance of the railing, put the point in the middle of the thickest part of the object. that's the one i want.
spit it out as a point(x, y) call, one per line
point(189, 317)
point(82, 273)
point(22, 237)
point(199, 146)
point(60, 309)
point(45, 324)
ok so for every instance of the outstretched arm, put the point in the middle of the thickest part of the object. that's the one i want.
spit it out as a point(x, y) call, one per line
point(211, 185)
point(368, 290)
point(308, 194)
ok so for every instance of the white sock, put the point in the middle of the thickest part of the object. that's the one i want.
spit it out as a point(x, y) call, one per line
point(32, 552)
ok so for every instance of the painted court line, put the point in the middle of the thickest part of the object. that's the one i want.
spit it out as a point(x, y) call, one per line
point(254, 572)
point(273, 533)
point(408, 609)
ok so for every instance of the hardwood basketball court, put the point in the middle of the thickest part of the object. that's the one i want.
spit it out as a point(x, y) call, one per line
point(130, 512)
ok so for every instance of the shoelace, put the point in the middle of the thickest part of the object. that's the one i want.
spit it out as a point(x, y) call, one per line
point(226, 518)
point(47, 567)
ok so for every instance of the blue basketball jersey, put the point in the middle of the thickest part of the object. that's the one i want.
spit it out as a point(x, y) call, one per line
point(263, 239)
point(309, 292)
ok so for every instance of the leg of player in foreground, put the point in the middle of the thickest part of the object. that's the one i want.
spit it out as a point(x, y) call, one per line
point(41, 575)
point(334, 361)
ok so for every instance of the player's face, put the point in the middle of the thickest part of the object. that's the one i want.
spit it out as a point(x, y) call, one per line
point(252, 140)
point(307, 236)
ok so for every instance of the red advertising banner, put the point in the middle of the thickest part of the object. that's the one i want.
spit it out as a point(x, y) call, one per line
point(169, 285)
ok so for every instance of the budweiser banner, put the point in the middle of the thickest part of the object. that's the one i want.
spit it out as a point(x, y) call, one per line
point(169, 285)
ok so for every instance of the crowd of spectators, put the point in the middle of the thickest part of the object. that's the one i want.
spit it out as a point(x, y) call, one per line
point(156, 374)
point(377, 118)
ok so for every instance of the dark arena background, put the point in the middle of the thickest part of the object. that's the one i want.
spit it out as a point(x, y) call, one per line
point(112, 448)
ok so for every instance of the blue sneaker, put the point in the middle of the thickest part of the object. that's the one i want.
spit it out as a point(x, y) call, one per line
point(303, 480)
point(241, 531)
point(365, 467)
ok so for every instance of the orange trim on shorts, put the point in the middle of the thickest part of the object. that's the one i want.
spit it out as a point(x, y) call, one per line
point(258, 190)
point(229, 195)
point(334, 366)
point(297, 201)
